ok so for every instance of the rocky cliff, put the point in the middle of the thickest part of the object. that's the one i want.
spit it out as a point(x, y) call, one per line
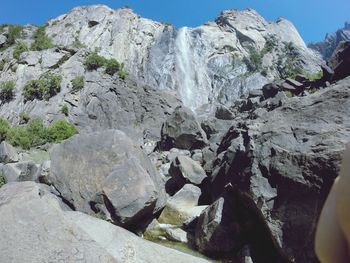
point(331, 41)
point(216, 62)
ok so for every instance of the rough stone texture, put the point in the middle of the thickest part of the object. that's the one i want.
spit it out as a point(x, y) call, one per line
point(185, 170)
point(182, 206)
point(182, 130)
point(97, 173)
point(340, 61)
point(198, 65)
point(233, 224)
point(37, 227)
point(8, 154)
point(327, 47)
point(176, 234)
point(18, 172)
point(270, 90)
point(287, 159)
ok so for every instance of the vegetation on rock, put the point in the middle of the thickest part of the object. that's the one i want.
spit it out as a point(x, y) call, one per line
point(41, 40)
point(64, 109)
point(78, 83)
point(47, 86)
point(2, 179)
point(7, 91)
point(35, 133)
point(19, 49)
point(111, 66)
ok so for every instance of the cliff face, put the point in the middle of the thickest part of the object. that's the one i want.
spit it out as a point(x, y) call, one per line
point(328, 46)
point(215, 62)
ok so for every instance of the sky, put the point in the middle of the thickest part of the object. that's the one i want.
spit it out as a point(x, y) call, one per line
point(312, 18)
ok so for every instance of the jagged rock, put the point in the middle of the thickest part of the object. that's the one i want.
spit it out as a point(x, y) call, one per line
point(97, 172)
point(36, 221)
point(340, 61)
point(197, 156)
point(3, 40)
point(223, 113)
point(18, 172)
point(8, 154)
point(327, 47)
point(270, 90)
point(275, 102)
point(232, 222)
point(286, 159)
point(52, 58)
point(182, 206)
point(182, 130)
point(184, 170)
point(176, 234)
point(174, 153)
point(327, 73)
point(255, 93)
point(44, 172)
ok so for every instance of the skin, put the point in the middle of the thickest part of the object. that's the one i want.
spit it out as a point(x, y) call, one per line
point(333, 231)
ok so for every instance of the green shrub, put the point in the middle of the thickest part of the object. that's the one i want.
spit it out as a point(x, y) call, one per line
point(4, 128)
point(19, 136)
point(35, 133)
point(41, 40)
point(314, 76)
point(2, 64)
point(60, 130)
point(2, 179)
point(52, 84)
point(68, 25)
point(47, 86)
point(254, 62)
point(23, 118)
point(64, 109)
point(33, 89)
point(7, 90)
point(19, 49)
point(78, 83)
point(14, 32)
point(112, 66)
point(94, 61)
point(122, 74)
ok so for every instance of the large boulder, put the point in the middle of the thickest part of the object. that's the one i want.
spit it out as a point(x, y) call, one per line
point(287, 159)
point(182, 130)
point(96, 173)
point(340, 61)
point(182, 206)
point(37, 227)
point(8, 154)
point(233, 222)
point(18, 172)
point(185, 170)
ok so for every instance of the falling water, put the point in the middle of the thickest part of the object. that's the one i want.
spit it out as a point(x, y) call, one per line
point(190, 70)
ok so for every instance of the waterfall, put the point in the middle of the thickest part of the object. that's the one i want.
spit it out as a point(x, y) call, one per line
point(191, 73)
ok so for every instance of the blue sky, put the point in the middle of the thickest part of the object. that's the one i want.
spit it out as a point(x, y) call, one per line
point(313, 18)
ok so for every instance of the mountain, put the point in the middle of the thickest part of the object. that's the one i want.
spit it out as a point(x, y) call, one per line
point(218, 139)
point(327, 47)
point(215, 62)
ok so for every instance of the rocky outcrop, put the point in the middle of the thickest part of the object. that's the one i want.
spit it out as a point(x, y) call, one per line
point(182, 130)
point(36, 227)
point(327, 47)
point(216, 62)
point(286, 160)
point(96, 173)
point(8, 154)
